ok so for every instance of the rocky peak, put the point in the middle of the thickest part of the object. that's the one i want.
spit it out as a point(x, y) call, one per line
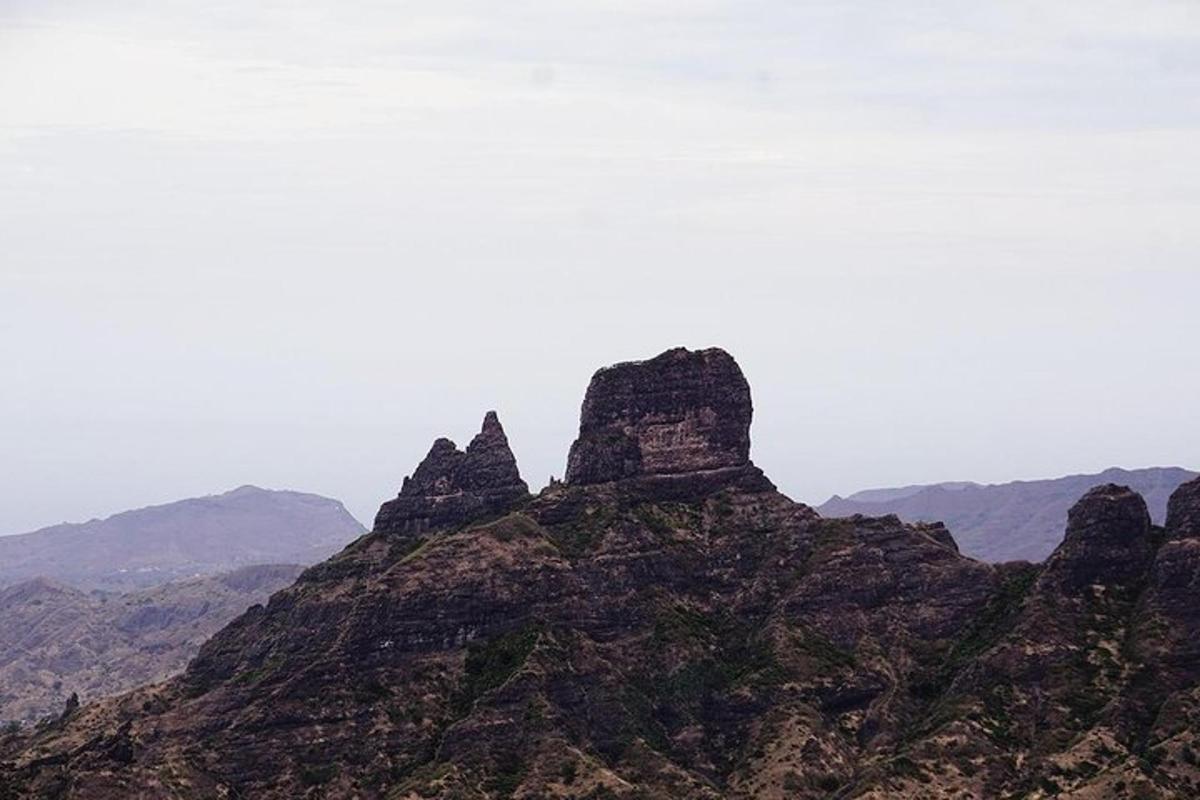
point(1107, 541)
point(1183, 511)
point(451, 486)
point(681, 412)
point(489, 460)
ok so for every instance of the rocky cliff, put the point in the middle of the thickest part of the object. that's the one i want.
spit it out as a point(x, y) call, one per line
point(666, 624)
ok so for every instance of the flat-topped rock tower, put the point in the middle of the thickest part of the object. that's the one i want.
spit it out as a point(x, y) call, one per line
point(681, 412)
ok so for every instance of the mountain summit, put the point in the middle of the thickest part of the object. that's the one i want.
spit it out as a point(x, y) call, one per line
point(666, 624)
point(197, 536)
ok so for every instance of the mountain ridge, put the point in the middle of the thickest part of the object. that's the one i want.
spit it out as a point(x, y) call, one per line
point(643, 632)
point(1015, 520)
point(142, 547)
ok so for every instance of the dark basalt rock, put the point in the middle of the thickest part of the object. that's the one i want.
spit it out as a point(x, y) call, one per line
point(681, 412)
point(451, 487)
point(1107, 542)
point(1183, 511)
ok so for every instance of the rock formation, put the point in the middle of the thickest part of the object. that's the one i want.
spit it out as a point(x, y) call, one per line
point(451, 487)
point(665, 624)
point(681, 412)
point(676, 426)
point(1183, 511)
point(1107, 542)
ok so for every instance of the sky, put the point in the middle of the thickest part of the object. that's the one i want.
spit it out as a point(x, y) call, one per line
point(291, 243)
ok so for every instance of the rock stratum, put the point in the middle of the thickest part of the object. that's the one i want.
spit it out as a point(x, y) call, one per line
point(666, 624)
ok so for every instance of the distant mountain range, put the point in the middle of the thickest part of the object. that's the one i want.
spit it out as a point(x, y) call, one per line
point(56, 640)
point(1022, 520)
point(188, 538)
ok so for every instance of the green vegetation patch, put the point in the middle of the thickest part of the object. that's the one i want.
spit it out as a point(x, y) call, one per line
point(733, 655)
point(833, 533)
point(259, 673)
point(489, 664)
point(577, 537)
point(317, 774)
point(994, 621)
point(821, 649)
point(412, 549)
point(510, 772)
point(512, 527)
point(663, 519)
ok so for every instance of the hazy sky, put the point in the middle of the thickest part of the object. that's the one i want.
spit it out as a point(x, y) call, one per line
point(289, 243)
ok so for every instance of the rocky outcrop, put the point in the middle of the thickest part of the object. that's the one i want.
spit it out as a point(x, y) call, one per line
point(1183, 511)
point(451, 487)
point(1107, 542)
point(681, 412)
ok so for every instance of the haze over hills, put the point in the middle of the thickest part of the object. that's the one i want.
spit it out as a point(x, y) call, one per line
point(1021, 520)
point(664, 623)
point(187, 538)
point(56, 639)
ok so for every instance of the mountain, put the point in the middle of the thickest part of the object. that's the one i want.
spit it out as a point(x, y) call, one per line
point(56, 640)
point(1022, 520)
point(665, 624)
point(200, 536)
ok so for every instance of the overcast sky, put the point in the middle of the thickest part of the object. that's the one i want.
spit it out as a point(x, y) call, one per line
point(289, 243)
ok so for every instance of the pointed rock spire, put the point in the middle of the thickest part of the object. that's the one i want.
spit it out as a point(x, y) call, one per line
point(489, 457)
point(451, 487)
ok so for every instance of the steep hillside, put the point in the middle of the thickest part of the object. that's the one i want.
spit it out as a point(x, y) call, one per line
point(665, 624)
point(56, 640)
point(200, 536)
point(1022, 520)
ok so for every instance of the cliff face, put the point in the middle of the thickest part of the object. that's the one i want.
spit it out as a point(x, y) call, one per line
point(666, 624)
